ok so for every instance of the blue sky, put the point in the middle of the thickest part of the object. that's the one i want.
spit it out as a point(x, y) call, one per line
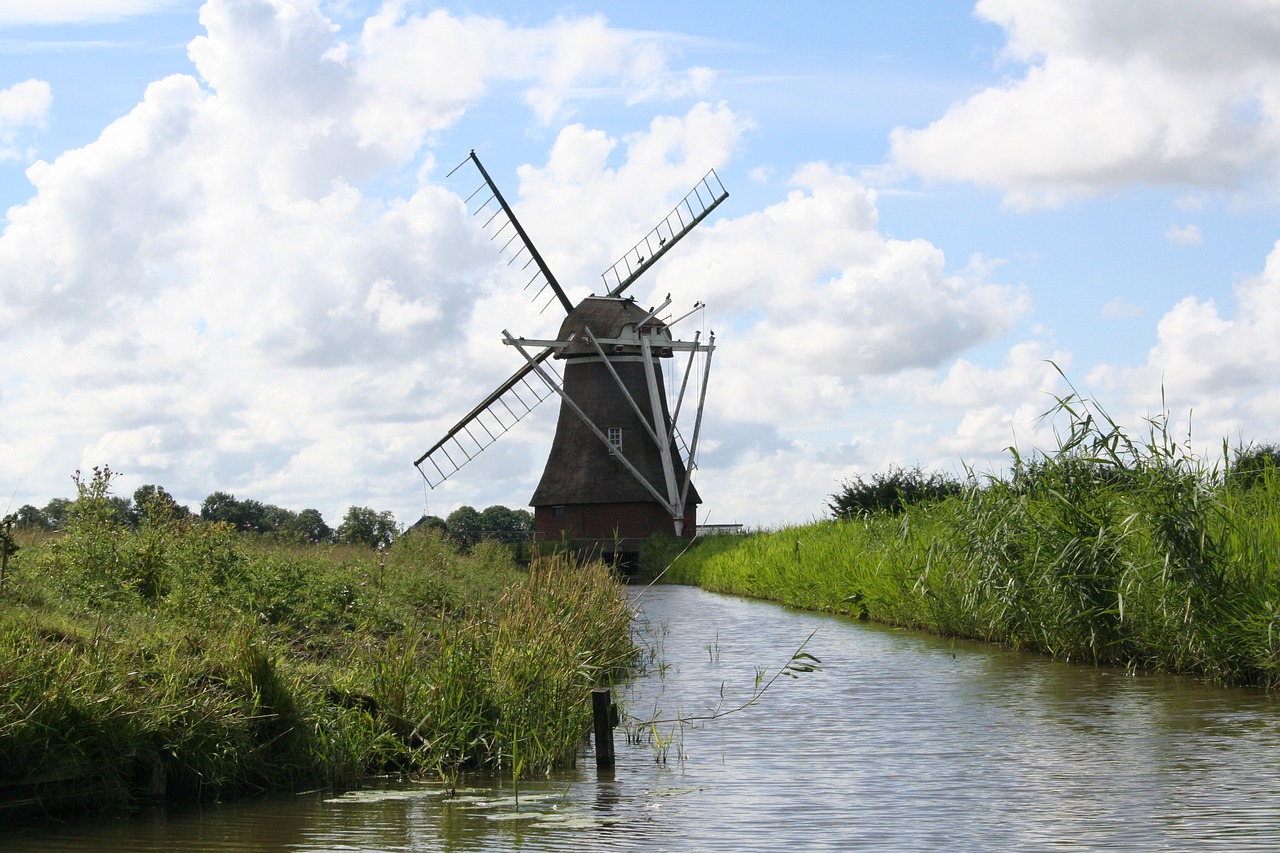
point(231, 259)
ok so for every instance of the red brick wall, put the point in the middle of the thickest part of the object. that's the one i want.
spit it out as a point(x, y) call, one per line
point(609, 521)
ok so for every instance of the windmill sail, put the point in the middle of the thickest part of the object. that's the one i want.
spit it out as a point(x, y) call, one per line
point(509, 403)
point(692, 209)
point(499, 220)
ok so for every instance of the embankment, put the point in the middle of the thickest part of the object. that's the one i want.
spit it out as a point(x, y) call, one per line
point(184, 660)
point(1121, 552)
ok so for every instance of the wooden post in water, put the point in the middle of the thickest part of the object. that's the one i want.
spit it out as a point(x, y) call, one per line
point(602, 711)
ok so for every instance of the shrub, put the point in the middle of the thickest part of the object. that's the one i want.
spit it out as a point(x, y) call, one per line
point(1252, 464)
point(891, 492)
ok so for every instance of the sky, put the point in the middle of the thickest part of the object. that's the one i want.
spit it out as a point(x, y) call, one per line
point(232, 258)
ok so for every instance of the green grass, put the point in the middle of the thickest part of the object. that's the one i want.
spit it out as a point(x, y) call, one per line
point(1111, 550)
point(224, 666)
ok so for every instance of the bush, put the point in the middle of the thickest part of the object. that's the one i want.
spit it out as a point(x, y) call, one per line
point(891, 492)
point(1252, 464)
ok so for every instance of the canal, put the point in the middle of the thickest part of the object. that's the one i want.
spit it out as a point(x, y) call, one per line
point(901, 741)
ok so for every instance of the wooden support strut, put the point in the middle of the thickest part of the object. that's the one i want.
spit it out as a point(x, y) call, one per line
point(674, 502)
point(697, 422)
point(635, 407)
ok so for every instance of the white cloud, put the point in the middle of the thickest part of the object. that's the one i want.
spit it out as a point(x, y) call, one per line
point(1207, 353)
point(825, 327)
point(22, 105)
point(1213, 369)
point(1184, 235)
point(810, 285)
point(961, 415)
point(1120, 309)
point(203, 296)
point(1159, 91)
point(422, 71)
point(611, 207)
point(78, 11)
point(1000, 407)
point(219, 292)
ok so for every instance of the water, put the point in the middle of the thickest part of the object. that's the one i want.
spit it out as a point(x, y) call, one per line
point(900, 742)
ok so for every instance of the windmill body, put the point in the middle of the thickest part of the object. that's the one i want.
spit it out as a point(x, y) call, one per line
point(586, 491)
point(618, 471)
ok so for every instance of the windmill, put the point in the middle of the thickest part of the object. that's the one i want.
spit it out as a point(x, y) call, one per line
point(619, 470)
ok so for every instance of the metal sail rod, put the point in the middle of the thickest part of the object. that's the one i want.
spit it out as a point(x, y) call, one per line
point(555, 386)
point(696, 307)
point(655, 312)
point(499, 231)
point(697, 421)
point(564, 300)
point(684, 383)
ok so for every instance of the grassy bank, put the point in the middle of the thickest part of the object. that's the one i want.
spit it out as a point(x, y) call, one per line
point(1111, 550)
point(186, 660)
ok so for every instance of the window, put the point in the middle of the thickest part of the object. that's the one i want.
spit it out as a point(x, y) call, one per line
point(557, 511)
point(615, 437)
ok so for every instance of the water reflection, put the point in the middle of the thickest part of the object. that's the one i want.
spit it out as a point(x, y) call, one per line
point(902, 742)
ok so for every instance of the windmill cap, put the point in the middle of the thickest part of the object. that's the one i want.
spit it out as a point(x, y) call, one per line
point(608, 317)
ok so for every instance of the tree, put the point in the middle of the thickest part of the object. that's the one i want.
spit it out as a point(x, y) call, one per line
point(32, 518)
point(310, 527)
point(364, 526)
point(122, 511)
point(430, 522)
point(248, 515)
point(499, 522)
point(57, 511)
point(273, 519)
point(221, 506)
point(464, 526)
point(153, 503)
point(1251, 464)
point(254, 517)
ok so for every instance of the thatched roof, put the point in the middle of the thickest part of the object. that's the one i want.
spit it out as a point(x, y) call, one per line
point(606, 317)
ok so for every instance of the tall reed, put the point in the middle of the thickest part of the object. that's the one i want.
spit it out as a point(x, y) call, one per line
point(186, 659)
point(1113, 549)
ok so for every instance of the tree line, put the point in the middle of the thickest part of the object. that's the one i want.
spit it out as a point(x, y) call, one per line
point(361, 525)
